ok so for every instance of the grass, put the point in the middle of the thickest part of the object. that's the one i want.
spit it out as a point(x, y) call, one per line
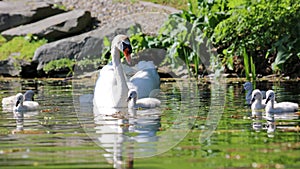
point(2, 40)
point(59, 64)
point(20, 48)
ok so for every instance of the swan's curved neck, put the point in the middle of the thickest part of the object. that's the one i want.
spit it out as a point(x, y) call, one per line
point(115, 56)
point(249, 94)
point(121, 88)
point(272, 103)
point(258, 101)
point(132, 103)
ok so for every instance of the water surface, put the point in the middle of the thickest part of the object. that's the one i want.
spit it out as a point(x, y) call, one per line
point(199, 125)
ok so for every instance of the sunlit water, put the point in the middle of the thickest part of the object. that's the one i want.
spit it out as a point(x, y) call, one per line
point(204, 125)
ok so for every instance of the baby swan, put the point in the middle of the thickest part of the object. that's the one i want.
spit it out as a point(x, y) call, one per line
point(249, 88)
point(281, 107)
point(144, 103)
point(11, 100)
point(22, 105)
point(256, 101)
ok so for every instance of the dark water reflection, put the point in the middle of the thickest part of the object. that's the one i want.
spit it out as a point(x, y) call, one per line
point(193, 128)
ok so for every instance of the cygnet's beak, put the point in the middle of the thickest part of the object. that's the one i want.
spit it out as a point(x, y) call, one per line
point(18, 102)
point(267, 100)
point(127, 54)
point(252, 100)
point(128, 98)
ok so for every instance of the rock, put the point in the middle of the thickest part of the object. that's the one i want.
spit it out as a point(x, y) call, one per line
point(28, 70)
point(54, 27)
point(8, 68)
point(158, 56)
point(17, 12)
point(153, 54)
point(90, 44)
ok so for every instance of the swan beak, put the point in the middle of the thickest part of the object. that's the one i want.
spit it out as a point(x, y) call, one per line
point(18, 102)
point(267, 100)
point(252, 100)
point(127, 55)
point(128, 99)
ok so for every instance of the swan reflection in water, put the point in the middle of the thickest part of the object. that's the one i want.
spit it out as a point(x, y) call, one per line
point(270, 122)
point(126, 133)
point(29, 117)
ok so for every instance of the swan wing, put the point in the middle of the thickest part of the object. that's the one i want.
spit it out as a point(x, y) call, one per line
point(145, 81)
point(103, 86)
point(148, 103)
point(286, 106)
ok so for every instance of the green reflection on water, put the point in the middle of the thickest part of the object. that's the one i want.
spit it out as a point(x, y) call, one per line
point(56, 139)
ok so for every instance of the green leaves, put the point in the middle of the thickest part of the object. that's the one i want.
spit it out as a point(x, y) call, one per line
point(183, 39)
point(59, 64)
point(257, 31)
point(246, 65)
point(282, 56)
point(260, 27)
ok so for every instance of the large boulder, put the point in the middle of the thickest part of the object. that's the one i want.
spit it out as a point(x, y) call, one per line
point(8, 68)
point(54, 27)
point(90, 44)
point(17, 12)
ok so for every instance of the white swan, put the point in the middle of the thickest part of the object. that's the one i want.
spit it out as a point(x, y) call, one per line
point(282, 107)
point(22, 105)
point(146, 80)
point(8, 103)
point(111, 88)
point(249, 88)
point(256, 101)
point(144, 103)
point(11, 100)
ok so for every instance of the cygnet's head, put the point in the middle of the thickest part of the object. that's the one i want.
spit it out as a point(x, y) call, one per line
point(20, 99)
point(132, 95)
point(256, 95)
point(28, 96)
point(270, 95)
point(122, 42)
point(248, 86)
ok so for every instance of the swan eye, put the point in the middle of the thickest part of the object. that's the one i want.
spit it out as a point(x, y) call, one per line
point(126, 45)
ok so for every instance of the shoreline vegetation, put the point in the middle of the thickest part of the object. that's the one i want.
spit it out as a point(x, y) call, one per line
point(250, 40)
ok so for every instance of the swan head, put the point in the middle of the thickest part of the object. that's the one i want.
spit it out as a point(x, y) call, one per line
point(248, 86)
point(270, 95)
point(122, 42)
point(28, 96)
point(256, 95)
point(132, 95)
point(20, 99)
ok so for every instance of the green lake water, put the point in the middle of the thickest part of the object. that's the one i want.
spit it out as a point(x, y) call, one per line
point(199, 125)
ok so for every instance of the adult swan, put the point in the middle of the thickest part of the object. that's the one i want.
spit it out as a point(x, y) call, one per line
point(111, 88)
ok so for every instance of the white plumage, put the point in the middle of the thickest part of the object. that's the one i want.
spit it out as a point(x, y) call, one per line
point(282, 107)
point(112, 86)
point(8, 103)
point(256, 101)
point(22, 105)
point(249, 88)
point(144, 103)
